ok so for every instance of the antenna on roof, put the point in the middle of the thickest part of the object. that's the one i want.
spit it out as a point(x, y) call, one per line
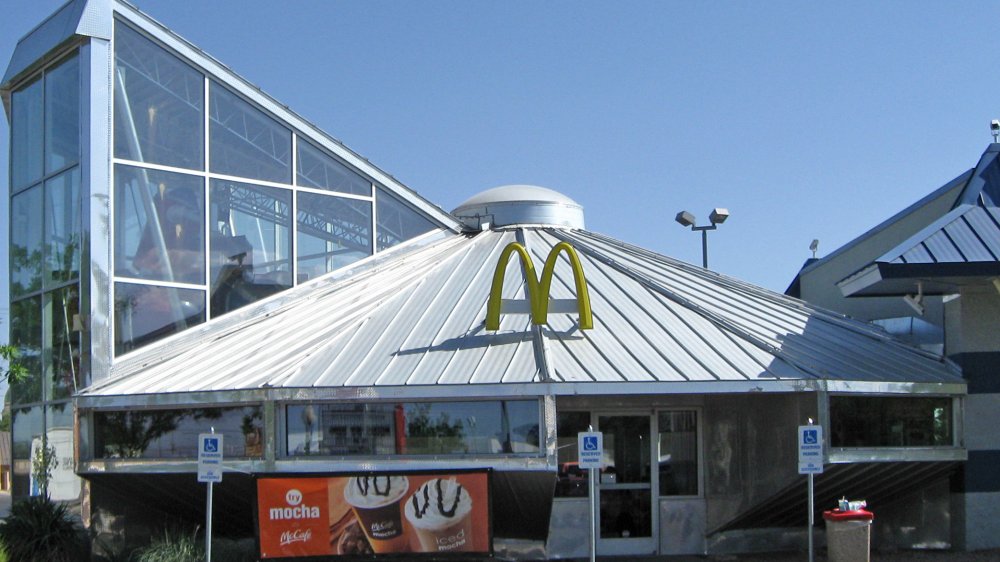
point(814, 245)
point(995, 129)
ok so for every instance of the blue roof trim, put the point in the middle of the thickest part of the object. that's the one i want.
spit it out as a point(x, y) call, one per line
point(963, 178)
point(984, 186)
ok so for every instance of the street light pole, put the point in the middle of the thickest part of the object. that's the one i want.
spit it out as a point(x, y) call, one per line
point(716, 217)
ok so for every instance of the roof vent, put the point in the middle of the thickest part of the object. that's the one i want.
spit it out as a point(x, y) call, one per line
point(520, 204)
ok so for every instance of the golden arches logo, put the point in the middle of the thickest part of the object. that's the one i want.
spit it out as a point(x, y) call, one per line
point(538, 290)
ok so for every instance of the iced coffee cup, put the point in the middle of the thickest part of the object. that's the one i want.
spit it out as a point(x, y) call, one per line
point(375, 500)
point(440, 513)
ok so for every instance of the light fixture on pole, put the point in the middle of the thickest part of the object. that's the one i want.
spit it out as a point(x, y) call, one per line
point(716, 217)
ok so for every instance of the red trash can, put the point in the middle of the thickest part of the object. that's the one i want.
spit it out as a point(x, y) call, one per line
point(848, 535)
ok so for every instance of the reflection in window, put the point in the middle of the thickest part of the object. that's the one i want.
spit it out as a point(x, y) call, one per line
point(62, 484)
point(572, 479)
point(876, 421)
point(251, 243)
point(678, 453)
point(321, 171)
point(333, 232)
point(172, 434)
point(159, 225)
point(158, 104)
point(62, 312)
point(26, 424)
point(26, 335)
point(62, 227)
point(246, 142)
point(62, 115)
point(414, 428)
point(26, 242)
point(397, 222)
point(145, 313)
point(26, 134)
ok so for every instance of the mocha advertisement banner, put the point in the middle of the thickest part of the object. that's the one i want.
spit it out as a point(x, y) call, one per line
point(437, 513)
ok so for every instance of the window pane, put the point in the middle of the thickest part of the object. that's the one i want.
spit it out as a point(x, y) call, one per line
point(145, 313)
point(171, 434)
point(397, 222)
point(62, 115)
point(27, 425)
point(158, 104)
point(159, 214)
point(26, 242)
point(26, 335)
point(62, 227)
point(872, 421)
point(63, 484)
point(62, 311)
point(678, 453)
point(319, 170)
point(333, 232)
point(416, 428)
point(26, 134)
point(245, 142)
point(572, 479)
point(251, 243)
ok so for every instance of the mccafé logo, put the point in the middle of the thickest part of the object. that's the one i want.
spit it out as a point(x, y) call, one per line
point(294, 510)
point(538, 290)
point(298, 535)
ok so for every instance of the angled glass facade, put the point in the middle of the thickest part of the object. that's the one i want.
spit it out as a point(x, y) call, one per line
point(208, 214)
point(45, 268)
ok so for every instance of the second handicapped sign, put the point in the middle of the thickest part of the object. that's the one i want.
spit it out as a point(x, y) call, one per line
point(810, 449)
point(591, 447)
point(210, 457)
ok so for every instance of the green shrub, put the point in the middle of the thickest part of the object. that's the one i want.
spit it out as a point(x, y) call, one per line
point(39, 530)
point(173, 547)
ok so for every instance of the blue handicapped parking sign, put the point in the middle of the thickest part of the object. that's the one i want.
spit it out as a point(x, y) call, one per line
point(212, 445)
point(590, 443)
point(810, 437)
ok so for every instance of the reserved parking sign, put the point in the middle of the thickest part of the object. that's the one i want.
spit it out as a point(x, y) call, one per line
point(591, 447)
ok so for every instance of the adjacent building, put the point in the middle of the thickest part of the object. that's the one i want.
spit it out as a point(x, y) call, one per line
point(189, 255)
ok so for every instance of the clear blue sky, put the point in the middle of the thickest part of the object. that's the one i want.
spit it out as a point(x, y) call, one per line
point(807, 120)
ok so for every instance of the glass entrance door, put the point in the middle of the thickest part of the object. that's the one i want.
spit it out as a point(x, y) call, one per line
point(625, 489)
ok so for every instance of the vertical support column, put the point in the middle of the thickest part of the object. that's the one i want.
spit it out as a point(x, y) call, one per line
point(270, 435)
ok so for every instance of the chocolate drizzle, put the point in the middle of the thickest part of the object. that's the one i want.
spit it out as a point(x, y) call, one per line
point(420, 511)
point(367, 484)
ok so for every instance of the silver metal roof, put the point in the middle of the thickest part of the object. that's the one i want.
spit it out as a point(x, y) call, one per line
point(413, 324)
point(520, 204)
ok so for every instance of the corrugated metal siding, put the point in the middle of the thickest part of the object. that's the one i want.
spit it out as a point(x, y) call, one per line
point(419, 320)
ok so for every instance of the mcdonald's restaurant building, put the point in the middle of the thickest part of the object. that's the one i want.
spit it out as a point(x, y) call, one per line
point(190, 256)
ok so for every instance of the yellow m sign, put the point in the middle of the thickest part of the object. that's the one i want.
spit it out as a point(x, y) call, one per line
point(538, 291)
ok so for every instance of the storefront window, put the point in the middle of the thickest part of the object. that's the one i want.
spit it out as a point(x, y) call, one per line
point(572, 481)
point(146, 313)
point(26, 439)
point(172, 434)
point(61, 482)
point(333, 232)
point(245, 141)
point(251, 243)
point(26, 335)
point(159, 101)
point(62, 115)
point(26, 138)
point(876, 421)
point(159, 225)
point(397, 221)
point(678, 461)
point(26, 241)
point(62, 228)
point(62, 311)
point(322, 171)
point(414, 428)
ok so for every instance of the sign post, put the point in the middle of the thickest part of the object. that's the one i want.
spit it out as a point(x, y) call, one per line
point(210, 471)
point(810, 439)
point(590, 445)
